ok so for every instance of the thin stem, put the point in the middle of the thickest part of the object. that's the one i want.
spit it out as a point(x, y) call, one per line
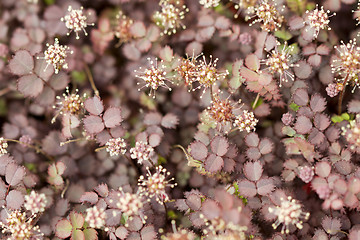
point(166, 211)
point(343, 232)
point(65, 188)
point(341, 97)
point(72, 140)
point(91, 80)
point(4, 91)
point(100, 148)
point(256, 100)
point(36, 148)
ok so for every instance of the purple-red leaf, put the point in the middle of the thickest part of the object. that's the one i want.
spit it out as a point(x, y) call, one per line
point(14, 174)
point(321, 121)
point(93, 124)
point(354, 106)
point(303, 125)
point(22, 63)
point(213, 163)
point(198, 150)
point(219, 145)
point(247, 188)
point(94, 105)
point(317, 103)
point(265, 186)
point(323, 169)
point(152, 118)
point(89, 197)
point(252, 140)
point(14, 199)
point(210, 209)
point(112, 117)
point(253, 153)
point(30, 85)
point(266, 146)
point(302, 70)
point(170, 121)
point(252, 62)
point(253, 170)
point(148, 233)
point(301, 97)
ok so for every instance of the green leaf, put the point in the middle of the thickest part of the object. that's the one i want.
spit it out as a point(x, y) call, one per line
point(147, 101)
point(294, 107)
point(336, 119)
point(171, 214)
point(282, 34)
point(345, 116)
point(77, 220)
point(49, 2)
point(161, 160)
point(123, 219)
point(77, 235)
point(78, 76)
point(294, 49)
point(90, 234)
point(30, 166)
point(297, 6)
point(63, 229)
point(288, 131)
